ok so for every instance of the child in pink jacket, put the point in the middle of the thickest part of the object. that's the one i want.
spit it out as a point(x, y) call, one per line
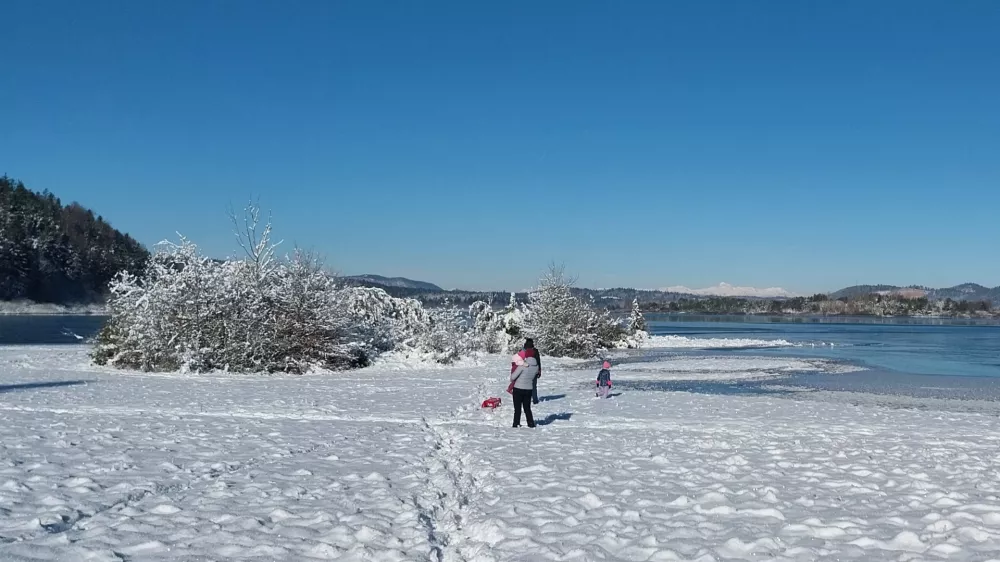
point(604, 381)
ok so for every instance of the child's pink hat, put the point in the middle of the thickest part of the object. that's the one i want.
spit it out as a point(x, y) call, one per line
point(607, 365)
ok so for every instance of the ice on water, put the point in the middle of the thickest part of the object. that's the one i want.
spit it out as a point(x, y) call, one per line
point(397, 462)
point(685, 342)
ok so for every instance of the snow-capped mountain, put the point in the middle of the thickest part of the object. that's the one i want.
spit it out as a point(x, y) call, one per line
point(727, 290)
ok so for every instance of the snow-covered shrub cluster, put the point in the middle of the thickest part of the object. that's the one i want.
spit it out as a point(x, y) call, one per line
point(188, 312)
point(560, 323)
point(261, 313)
point(382, 322)
point(496, 331)
point(447, 337)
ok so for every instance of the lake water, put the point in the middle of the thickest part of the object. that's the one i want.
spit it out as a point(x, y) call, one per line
point(31, 330)
point(901, 345)
point(930, 358)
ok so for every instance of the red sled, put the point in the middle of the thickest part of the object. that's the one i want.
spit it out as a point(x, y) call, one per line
point(492, 403)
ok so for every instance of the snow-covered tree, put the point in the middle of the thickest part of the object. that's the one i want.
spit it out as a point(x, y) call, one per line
point(563, 324)
point(636, 321)
point(382, 322)
point(610, 331)
point(487, 328)
point(448, 336)
point(512, 321)
point(635, 329)
point(500, 330)
point(560, 323)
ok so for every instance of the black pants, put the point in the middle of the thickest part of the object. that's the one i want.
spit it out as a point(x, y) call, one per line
point(522, 399)
point(534, 390)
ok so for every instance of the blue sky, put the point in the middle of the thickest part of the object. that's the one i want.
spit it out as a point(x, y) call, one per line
point(809, 145)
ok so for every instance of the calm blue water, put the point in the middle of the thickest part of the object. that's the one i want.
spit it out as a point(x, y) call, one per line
point(930, 358)
point(901, 346)
point(32, 330)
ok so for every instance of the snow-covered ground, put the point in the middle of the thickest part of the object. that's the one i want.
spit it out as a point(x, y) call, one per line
point(398, 462)
point(723, 369)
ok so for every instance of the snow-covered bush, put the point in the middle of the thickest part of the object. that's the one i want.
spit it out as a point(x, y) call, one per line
point(383, 322)
point(448, 337)
point(312, 327)
point(496, 331)
point(487, 330)
point(261, 313)
point(191, 313)
point(158, 319)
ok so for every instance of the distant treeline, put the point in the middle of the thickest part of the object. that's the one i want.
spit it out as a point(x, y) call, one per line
point(620, 300)
point(440, 298)
point(55, 253)
point(865, 305)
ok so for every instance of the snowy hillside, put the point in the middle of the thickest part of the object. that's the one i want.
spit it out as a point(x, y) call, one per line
point(727, 290)
point(51, 253)
point(397, 462)
point(395, 282)
point(963, 292)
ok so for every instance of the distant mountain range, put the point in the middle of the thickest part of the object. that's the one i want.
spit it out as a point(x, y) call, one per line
point(395, 282)
point(401, 286)
point(727, 290)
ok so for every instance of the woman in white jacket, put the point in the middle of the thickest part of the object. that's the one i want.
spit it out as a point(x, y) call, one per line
point(523, 377)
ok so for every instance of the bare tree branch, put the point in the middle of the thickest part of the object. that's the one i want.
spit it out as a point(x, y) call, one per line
point(254, 240)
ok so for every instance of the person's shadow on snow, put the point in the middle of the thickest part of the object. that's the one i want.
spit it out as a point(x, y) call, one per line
point(554, 418)
point(38, 385)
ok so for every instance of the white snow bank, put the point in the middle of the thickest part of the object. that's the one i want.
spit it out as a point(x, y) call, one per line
point(726, 368)
point(30, 308)
point(421, 361)
point(417, 360)
point(387, 464)
point(682, 342)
